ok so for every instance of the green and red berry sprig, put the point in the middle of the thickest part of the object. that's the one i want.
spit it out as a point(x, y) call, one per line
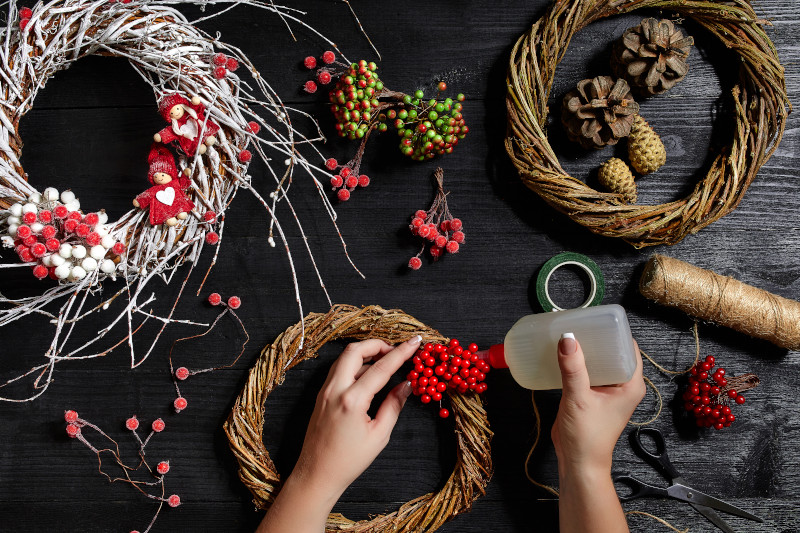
point(711, 395)
point(443, 232)
point(439, 368)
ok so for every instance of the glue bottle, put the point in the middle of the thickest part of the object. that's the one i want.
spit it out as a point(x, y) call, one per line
point(530, 350)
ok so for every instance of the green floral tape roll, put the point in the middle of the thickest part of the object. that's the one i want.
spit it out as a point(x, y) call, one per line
point(597, 288)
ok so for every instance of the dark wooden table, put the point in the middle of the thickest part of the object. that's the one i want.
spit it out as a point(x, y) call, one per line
point(91, 125)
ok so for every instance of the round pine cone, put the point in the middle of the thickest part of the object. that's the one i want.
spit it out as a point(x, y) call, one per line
point(645, 149)
point(615, 176)
point(599, 111)
point(652, 56)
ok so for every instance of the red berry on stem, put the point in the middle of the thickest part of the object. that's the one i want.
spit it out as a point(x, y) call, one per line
point(310, 62)
point(444, 413)
point(414, 263)
point(73, 431)
point(254, 127)
point(214, 298)
point(174, 500)
point(132, 423)
point(25, 13)
point(118, 248)
point(220, 72)
point(41, 271)
point(234, 302)
point(245, 156)
point(212, 237)
point(732, 393)
point(182, 373)
point(180, 404)
point(70, 416)
point(328, 57)
point(92, 219)
point(232, 64)
point(425, 398)
point(45, 217)
point(740, 399)
point(352, 181)
point(363, 180)
point(210, 216)
point(452, 247)
point(29, 218)
point(162, 467)
point(343, 195)
point(61, 211)
point(310, 86)
point(324, 77)
point(220, 59)
point(455, 224)
point(158, 425)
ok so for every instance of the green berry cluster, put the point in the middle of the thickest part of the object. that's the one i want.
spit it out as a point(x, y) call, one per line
point(354, 99)
point(427, 127)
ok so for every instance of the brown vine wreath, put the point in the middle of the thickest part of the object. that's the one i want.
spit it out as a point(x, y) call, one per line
point(759, 96)
point(245, 424)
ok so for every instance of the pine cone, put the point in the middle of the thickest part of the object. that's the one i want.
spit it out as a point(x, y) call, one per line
point(598, 112)
point(645, 149)
point(615, 176)
point(652, 56)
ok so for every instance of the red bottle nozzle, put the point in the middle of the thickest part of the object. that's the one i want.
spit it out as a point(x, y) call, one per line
point(495, 356)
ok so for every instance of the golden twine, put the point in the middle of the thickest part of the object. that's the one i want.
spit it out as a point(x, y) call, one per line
point(245, 424)
point(721, 299)
point(760, 101)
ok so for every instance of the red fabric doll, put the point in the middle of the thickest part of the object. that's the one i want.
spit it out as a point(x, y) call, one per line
point(186, 120)
point(166, 199)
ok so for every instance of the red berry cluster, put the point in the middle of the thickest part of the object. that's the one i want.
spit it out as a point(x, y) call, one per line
point(437, 226)
point(438, 368)
point(223, 64)
point(212, 237)
point(59, 240)
point(324, 74)
point(25, 15)
point(710, 394)
point(346, 178)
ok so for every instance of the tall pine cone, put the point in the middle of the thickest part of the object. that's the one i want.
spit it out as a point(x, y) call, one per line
point(615, 176)
point(599, 111)
point(652, 56)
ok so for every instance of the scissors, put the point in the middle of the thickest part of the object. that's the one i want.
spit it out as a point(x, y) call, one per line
point(703, 503)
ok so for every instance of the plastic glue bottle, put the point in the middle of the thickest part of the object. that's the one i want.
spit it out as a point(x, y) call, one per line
point(530, 349)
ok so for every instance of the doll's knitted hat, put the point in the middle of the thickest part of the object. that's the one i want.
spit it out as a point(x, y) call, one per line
point(168, 102)
point(161, 160)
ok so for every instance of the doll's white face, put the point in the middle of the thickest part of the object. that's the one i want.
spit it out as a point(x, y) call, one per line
point(176, 112)
point(160, 178)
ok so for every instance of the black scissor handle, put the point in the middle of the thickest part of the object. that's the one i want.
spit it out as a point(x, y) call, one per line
point(658, 459)
point(638, 489)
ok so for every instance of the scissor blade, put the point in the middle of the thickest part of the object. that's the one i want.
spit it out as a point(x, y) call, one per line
point(713, 517)
point(687, 494)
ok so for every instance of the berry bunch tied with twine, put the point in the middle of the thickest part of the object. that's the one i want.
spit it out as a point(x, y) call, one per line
point(443, 232)
point(439, 367)
point(361, 104)
point(710, 395)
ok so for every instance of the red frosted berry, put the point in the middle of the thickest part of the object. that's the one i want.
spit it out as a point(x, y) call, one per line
point(210, 216)
point(331, 164)
point(234, 302)
point(420, 214)
point(93, 239)
point(452, 247)
point(158, 425)
point(162, 467)
point(220, 72)
point(324, 77)
point(232, 64)
point(343, 195)
point(455, 224)
point(82, 230)
point(254, 127)
point(92, 219)
point(328, 57)
point(212, 237)
point(61, 211)
point(435, 252)
point(69, 226)
point(75, 215)
point(174, 500)
point(310, 86)
point(214, 298)
point(23, 23)
point(45, 217)
point(458, 237)
point(310, 62)
point(118, 248)
point(345, 172)
point(180, 404)
point(336, 181)
point(351, 181)
point(25, 255)
point(73, 431)
point(220, 59)
point(41, 271)
point(363, 180)
point(424, 231)
point(440, 241)
point(25, 13)
point(132, 423)
point(23, 232)
point(245, 156)
point(48, 232)
point(182, 373)
point(38, 249)
point(29, 218)
point(70, 416)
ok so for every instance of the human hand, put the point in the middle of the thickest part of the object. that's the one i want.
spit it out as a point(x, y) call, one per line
point(591, 419)
point(342, 440)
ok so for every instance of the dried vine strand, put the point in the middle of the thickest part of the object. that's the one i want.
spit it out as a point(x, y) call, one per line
point(761, 107)
point(245, 424)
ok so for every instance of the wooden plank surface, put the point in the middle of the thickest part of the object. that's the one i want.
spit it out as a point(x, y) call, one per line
point(91, 125)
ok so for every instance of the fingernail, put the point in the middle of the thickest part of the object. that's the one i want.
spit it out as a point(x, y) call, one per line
point(567, 345)
point(415, 340)
point(406, 390)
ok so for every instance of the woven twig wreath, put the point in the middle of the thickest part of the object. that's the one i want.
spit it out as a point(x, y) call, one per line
point(245, 424)
point(760, 106)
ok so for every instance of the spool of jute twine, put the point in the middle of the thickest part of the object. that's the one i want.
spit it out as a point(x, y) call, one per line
point(723, 300)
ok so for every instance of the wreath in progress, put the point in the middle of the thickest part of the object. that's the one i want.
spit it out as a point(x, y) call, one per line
point(245, 424)
point(760, 102)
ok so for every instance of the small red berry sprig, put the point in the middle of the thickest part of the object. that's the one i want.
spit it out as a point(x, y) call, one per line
point(437, 226)
point(347, 178)
point(25, 15)
point(223, 64)
point(210, 218)
point(49, 231)
point(75, 429)
point(438, 368)
point(326, 69)
point(182, 373)
point(710, 395)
